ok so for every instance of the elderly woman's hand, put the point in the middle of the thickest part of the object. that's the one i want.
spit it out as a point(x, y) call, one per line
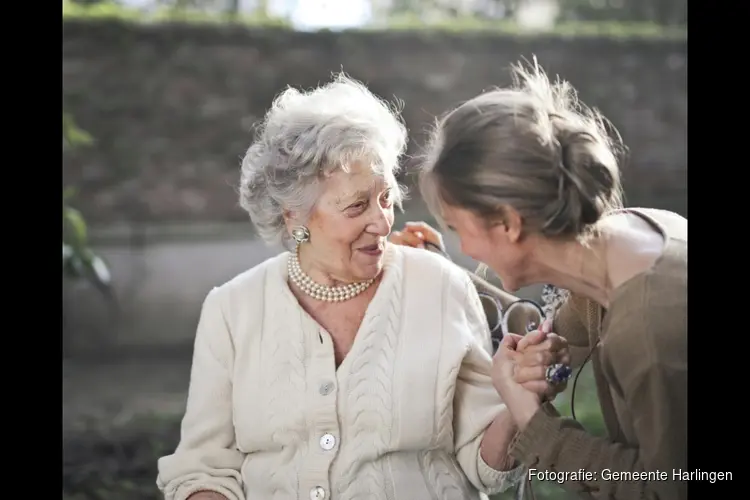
point(534, 353)
point(416, 234)
point(521, 402)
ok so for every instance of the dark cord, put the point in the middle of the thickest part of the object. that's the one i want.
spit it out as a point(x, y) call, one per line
point(575, 381)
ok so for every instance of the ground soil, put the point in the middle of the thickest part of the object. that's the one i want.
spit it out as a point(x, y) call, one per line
point(119, 416)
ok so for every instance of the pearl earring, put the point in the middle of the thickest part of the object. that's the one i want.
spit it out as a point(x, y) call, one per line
point(301, 234)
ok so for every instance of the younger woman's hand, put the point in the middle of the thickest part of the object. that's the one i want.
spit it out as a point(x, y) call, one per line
point(534, 353)
point(407, 239)
point(416, 234)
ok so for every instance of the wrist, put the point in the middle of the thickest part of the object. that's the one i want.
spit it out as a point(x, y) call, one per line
point(500, 463)
point(526, 415)
point(523, 411)
point(494, 448)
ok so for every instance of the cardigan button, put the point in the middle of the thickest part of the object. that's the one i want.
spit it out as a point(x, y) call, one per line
point(317, 493)
point(326, 388)
point(327, 441)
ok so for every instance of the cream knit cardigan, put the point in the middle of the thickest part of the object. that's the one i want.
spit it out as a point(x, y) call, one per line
point(269, 417)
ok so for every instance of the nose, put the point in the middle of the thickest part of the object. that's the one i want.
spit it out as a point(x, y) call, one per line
point(382, 222)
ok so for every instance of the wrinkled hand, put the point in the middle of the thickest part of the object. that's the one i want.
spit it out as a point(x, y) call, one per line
point(416, 234)
point(535, 352)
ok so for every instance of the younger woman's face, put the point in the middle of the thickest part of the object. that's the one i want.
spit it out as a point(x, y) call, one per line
point(495, 245)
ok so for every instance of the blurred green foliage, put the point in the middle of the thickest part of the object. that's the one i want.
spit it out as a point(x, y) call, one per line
point(565, 28)
point(79, 261)
point(166, 13)
point(175, 12)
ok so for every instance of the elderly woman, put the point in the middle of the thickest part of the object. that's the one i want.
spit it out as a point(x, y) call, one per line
point(347, 368)
point(529, 180)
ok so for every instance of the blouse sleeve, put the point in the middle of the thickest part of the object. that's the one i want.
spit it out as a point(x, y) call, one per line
point(652, 381)
point(206, 459)
point(569, 324)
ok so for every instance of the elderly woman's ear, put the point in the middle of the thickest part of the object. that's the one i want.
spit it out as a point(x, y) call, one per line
point(292, 219)
point(289, 217)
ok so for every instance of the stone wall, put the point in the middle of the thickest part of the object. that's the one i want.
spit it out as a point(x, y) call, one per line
point(171, 107)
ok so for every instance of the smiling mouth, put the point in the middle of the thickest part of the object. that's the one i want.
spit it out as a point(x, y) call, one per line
point(372, 249)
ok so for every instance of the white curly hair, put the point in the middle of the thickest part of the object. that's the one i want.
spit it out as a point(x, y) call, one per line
point(307, 135)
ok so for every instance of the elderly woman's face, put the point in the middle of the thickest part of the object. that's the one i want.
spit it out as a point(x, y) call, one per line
point(351, 222)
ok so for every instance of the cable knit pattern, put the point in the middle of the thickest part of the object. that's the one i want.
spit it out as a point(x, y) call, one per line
point(444, 479)
point(269, 415)
point(369, 401)
point(284, 371)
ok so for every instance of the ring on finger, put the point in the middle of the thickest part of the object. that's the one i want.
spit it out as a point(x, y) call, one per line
point(557, 374)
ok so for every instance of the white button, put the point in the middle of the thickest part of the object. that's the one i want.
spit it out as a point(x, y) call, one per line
point(317, 493)
point(327, 441)
point(326, 388)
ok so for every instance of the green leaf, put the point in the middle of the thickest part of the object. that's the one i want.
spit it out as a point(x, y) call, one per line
point(79, 261)
point(99, 270)
point(72, 135)
point(77, 224)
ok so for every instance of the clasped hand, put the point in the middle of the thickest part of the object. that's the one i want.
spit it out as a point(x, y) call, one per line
point(530, 355)
point(519, 371)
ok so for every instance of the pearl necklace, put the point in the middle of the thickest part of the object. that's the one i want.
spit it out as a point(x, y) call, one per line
point(323, 292)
